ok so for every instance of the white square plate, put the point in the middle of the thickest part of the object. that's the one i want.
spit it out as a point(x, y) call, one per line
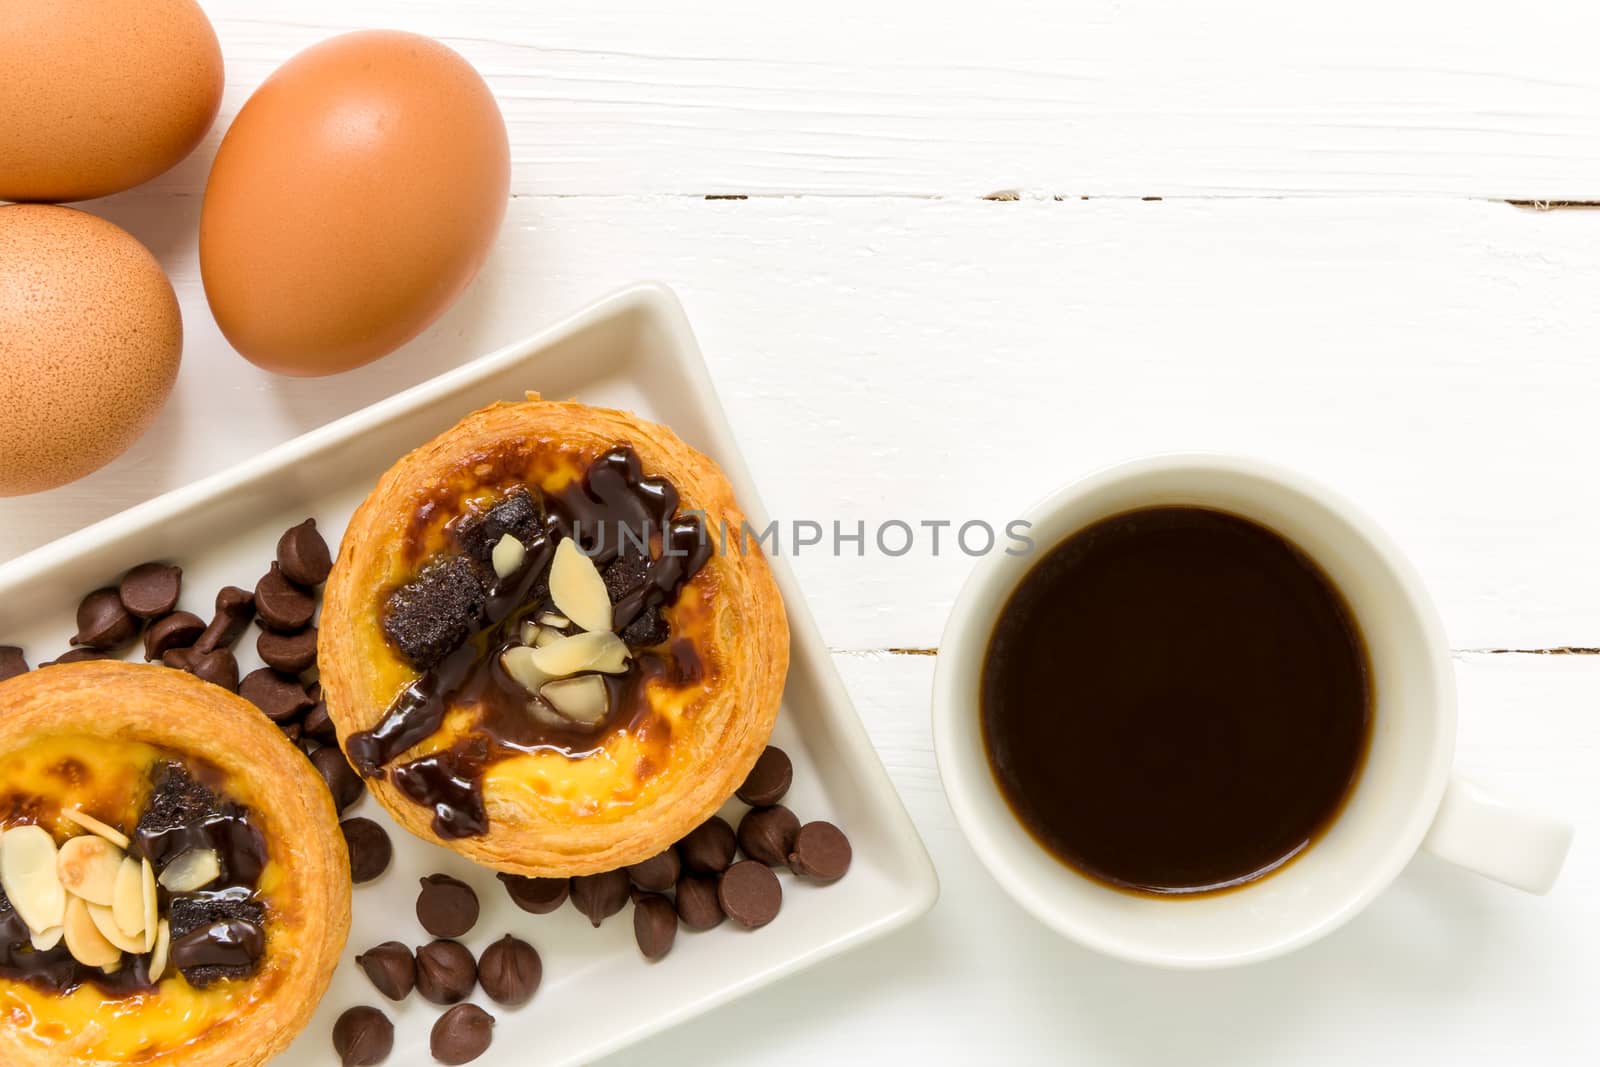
point(633, 350)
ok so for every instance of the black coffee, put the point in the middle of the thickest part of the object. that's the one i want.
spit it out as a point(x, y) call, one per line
point(1176, 700)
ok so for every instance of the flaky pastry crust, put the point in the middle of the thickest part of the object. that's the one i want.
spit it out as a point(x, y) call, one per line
point(308, 910)
point(730, 611)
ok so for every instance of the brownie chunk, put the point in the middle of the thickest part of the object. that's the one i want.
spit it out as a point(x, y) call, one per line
point(182, 814)
point(193, 911)
point(650, 628)
point(624, 575)
point(434, 615)
point(177, 803)
point(517, 513)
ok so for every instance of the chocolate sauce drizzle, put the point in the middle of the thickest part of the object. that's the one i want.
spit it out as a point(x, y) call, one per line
point(628, 524)
point(217, 932)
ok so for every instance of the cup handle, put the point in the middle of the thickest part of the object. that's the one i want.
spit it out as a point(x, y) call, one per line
point(1482, 834)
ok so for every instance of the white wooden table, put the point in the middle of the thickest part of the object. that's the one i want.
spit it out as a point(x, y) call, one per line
point(943, 258)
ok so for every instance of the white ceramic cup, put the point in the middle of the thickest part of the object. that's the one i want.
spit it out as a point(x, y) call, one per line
point(1406, 797)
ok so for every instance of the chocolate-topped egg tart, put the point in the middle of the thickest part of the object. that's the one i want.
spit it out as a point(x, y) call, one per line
point(546, 643)
point(174, 888)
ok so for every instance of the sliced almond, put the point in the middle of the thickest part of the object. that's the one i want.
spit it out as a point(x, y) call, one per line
point(577, 588)
point(127, 901)
point(158, 951)
point(147, 890)
point(507, 556)
point(599, 651)
point(547, 629)
point(112, 968)
point(581, 700)
point(195, 869)
point(106, 923)
point(84, 939)
point(543, 712)
point(95, 826)
point(46, 940)
point(87, 866)
point(518, 663)
point(28, 875)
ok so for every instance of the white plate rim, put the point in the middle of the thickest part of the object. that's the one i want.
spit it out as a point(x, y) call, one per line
point(920, 881)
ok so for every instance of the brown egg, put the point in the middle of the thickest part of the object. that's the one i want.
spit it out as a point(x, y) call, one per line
point(353, 199)
point(97, 96)
point(89, 344)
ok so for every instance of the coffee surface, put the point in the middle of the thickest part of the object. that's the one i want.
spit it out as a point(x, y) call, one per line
point(1176, 700)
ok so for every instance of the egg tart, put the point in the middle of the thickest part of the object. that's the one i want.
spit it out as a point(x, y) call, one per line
point(174, 888)
point(548, 641)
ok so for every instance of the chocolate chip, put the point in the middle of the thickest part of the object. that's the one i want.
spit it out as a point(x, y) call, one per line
point(655, 925)
point(363, 1037)
point(103, 623)
point(218, 668)
point(318, 724)
point(697, 902)
point(290, 653)
point(821, 852)
point(369, 847)
point(659, 873)
point(768, 780)
point(509, 971)
point(282, 605)
point(77, 655)
point(234, 610)
point(150, 590)
point(461, 1035)
point(600, 896)
point(540, 896)
point(342, 780)
point(750, 894)
point(391, 967)
point(709, 848)
point(181, 629)
point(429, 618)
point(12, 662)
point(179, 659)
point(446, 972)
point(768, 834)
point(303, 555)
point(291, 730)
point(446, 907)
point(279, 696)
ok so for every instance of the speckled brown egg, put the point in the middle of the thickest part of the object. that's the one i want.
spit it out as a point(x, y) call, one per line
point(89, 344)
point(352, 200)
point(97, 96)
